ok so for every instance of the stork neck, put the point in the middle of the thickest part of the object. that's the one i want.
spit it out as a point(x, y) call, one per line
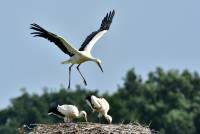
point(80, 114)
point(93, 59)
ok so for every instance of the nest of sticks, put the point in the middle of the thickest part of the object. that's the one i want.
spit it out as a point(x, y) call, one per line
point(91, 128)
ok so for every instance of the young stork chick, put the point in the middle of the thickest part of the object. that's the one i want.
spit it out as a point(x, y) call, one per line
point(68, 112)
point(99, 105)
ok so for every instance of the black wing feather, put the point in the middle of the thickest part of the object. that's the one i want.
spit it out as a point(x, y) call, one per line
point(90, 100)
point(105, 25)
point(41, 32)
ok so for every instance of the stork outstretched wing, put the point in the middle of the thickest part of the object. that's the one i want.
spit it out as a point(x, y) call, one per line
point(96, 35)
point(57, 40)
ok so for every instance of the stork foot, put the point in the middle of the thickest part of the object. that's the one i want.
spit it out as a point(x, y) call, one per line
point(85, 82)
point(68, 86)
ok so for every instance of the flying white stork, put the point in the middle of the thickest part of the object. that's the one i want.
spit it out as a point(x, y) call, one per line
point(81, 55)
point(99, 105)
point(68, 112)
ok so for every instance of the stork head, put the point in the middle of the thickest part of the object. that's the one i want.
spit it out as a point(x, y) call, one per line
point(108, 118)
point(84, 115)
point(98, 61)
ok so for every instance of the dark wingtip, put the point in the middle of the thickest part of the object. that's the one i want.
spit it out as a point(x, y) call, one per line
point(107, 20)
point(36, 27)
point(33, 34)
point(113, 12)
point(33, 25)
point(39, 30)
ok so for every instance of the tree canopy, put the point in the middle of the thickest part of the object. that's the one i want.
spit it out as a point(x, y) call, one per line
point(168, 101)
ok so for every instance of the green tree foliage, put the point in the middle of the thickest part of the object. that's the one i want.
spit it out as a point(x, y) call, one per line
point(168, 101)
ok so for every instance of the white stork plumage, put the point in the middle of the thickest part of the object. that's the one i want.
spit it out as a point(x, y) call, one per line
point(99, 105)
point(68, 112)
point(84, 52)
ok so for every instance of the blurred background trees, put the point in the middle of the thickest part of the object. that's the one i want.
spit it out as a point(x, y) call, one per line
point(168, 101)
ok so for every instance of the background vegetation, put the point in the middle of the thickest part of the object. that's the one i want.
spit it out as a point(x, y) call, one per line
point(167, 100)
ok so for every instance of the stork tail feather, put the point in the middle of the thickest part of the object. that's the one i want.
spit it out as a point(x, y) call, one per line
point(65, 62)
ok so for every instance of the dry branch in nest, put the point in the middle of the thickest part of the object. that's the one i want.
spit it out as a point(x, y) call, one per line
point(91, 128)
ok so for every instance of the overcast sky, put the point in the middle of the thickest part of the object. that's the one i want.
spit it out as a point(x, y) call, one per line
point(144, 34)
